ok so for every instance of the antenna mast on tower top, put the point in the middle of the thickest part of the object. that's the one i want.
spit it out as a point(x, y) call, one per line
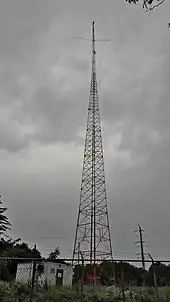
point(93, 237)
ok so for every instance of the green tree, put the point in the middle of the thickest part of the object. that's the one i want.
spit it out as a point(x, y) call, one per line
point(162, 274)
point(132, 274)
point(54, 255)
point(4, 222)
point(148, 4)
point(14, 249)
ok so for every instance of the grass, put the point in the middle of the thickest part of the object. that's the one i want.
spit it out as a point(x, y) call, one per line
point(20, 293)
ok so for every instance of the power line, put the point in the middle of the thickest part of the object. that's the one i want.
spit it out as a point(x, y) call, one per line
point(51, 237)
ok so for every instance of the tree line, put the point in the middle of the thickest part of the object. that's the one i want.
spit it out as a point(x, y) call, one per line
point(132, 275)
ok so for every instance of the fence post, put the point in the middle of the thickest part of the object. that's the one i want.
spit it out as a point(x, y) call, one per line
point(78, 272)
point(33, 280)
point(82, 278)
point(154, 276)
point(122, 282)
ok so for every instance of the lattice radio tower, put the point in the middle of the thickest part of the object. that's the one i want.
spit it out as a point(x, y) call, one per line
point(93, 237)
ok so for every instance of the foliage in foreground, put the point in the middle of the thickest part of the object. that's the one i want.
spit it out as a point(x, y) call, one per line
point(148, 4)
point(20, 293)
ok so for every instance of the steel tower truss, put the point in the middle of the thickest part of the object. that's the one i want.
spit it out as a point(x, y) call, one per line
point(93, 233)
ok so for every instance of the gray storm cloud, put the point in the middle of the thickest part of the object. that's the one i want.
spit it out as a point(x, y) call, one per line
point(44, 89)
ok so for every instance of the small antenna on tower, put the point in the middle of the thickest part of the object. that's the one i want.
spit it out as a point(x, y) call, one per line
point(95, 40)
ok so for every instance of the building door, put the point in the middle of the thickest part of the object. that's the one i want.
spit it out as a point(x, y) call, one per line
point(59, 277)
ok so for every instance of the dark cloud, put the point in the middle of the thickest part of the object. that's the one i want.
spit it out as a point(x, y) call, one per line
point(44, 90)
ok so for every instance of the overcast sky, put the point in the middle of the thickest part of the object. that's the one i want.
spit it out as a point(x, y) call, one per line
point(44, 90)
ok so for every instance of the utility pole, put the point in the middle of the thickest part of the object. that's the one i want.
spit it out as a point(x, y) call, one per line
point(141, 242)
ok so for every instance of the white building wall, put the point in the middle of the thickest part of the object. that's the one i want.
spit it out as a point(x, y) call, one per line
point(68, 275)
point(24, 273)
point(50, 271)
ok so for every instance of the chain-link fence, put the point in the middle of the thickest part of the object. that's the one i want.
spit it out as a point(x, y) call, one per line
point(29, 279)
point(124, 280)
point(58, 280)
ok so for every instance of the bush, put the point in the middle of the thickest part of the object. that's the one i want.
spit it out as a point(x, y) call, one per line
point(13, 292)
point(21, 293)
